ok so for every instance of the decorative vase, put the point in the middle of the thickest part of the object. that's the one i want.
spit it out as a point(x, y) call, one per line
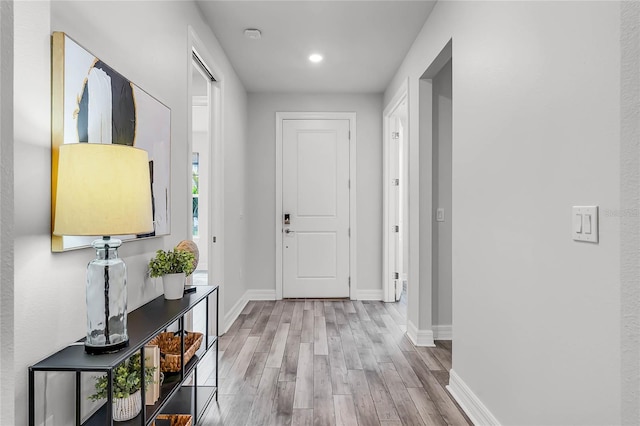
point(173, 285)
point(127, 408)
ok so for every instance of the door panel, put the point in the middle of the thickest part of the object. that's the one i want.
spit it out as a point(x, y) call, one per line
point(315, 195)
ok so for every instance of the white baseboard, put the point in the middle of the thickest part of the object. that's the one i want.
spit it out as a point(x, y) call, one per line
point(478, 413)
point(419, 337)
point(260, 294)
point(369, 294)
point(234, 312)
point(442, 332)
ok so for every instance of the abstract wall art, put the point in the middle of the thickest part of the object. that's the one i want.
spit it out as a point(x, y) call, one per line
point(93, 103)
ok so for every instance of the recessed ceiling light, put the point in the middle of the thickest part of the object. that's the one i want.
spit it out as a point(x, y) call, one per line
point(315, 58)
point(253, 33)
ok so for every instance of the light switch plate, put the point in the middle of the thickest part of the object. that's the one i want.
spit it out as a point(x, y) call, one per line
point(584, 223)
point(440, 215)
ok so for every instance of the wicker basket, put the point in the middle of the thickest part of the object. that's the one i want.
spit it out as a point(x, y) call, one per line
point(176, 419)
point(169, 345)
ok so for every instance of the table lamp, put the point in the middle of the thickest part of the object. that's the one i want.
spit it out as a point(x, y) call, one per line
point(104, 189)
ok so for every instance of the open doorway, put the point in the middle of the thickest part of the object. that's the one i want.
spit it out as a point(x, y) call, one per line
point(396, 137)
point(436, 141)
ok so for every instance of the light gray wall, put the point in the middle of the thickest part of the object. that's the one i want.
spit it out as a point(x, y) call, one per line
point(147, 43)
point(261, 180)
point(536, 315)
point(6, 214)
point(442, 148)
point(629, 208)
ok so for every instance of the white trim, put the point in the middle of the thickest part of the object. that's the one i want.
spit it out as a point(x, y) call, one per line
point(388, 253)
point(234, 312)
point(419, 337)
point(351, 116)
point(478, 413)
point(216, 178)
point(260, 295)
point(370, 295)
point(443, 332)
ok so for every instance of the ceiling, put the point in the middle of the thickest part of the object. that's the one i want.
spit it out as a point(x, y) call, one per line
point(363, 42)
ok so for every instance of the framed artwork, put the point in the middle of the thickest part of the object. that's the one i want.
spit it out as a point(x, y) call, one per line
point(93, 103)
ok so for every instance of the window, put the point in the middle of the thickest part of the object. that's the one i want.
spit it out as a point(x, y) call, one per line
point(195, 188)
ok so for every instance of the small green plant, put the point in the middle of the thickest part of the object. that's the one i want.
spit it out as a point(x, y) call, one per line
point(171, 262)
point(126, 379)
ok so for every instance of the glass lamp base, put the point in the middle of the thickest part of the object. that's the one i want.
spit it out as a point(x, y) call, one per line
point(105, 349)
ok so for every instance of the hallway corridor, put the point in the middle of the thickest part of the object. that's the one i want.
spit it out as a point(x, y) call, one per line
point(328, 362)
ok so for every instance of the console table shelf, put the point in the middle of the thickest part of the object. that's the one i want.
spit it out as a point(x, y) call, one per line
point(144, 324)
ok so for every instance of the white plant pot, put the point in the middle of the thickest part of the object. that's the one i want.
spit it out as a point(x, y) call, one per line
point(127, 408)
point(173, 285)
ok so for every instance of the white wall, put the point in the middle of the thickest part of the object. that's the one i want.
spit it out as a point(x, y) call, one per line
point(6, 214)
point(629, 208)
point(442, 149)
point(147, 43)
point(536, 125)
point(261, 180)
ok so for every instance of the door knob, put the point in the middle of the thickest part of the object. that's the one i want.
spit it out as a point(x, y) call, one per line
point(288, 231)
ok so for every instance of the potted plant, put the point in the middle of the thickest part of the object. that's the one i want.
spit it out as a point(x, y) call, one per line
point(127, 400)
point(173, 266)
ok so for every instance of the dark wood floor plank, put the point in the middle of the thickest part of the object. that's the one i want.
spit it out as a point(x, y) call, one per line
point(402, 365)
point(407, 410)
point(443, 355)
point(261, 322)
point(320, 346)
point(239, 368)
point(446, 406)
point(350, 349)
point(323, 409)
point(382, 400)
point(232, 351)
point(287, 312)
point(289, 368)
point(296, 318)
point(338, 366)
point(236, 325)
point(307, 327)
point(361, 311)
point(341, 317)
point(348, 307)
point(278, 307)
point(276, 353)
point(399, 336)
point(252, 316)
point(264, 400)
point(282, 410)
point(268, 332)
point(249, 307)
point(429, 359)
point(304, 377)
point(302, 417)
point(365, 408)
point(345, 410)
point(427, 409)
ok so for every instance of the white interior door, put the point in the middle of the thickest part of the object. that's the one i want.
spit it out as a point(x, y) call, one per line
point(315, 206)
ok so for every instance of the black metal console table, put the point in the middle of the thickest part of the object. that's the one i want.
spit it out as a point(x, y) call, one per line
point(177, 394)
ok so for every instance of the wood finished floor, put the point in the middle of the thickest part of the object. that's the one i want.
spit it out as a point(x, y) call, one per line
point(327, 362)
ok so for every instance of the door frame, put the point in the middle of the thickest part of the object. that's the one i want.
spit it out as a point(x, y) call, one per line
point(388, 293)
point(216, 164)
point(351, 116)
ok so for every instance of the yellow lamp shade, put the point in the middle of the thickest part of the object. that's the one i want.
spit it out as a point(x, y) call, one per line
point(102, 190)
